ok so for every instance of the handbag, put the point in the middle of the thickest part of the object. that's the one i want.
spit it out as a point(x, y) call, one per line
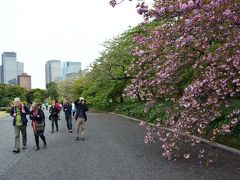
point(40, 127)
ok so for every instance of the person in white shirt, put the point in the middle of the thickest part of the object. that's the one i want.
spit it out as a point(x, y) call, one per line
point(73, 109)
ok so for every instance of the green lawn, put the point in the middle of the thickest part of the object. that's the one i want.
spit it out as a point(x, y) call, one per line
point(3, 114)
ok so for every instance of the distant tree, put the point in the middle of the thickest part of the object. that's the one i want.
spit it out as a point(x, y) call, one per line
point(38, 95)
point(107, 79)
point(64, 89)
point(16, 91)
point(52, 90)
point(9, 92)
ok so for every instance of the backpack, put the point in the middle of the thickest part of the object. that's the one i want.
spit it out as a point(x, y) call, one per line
point(59, 106)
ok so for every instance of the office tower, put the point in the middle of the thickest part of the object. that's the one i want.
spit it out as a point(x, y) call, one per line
point(70, 69)
point(53, 71)
point(11, 68)
point(0, 74)
point(20, 67)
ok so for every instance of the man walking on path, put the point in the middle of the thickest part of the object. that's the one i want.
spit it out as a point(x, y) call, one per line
point(81, 117)
point(19, 112)
point(67, 108)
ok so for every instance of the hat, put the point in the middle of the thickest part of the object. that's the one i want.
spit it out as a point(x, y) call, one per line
point(81, 99)
point(16, 99)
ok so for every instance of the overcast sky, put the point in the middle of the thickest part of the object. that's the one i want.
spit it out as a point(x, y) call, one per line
point(73, 30)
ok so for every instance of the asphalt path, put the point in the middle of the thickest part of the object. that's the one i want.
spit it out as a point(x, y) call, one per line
point(114, 149)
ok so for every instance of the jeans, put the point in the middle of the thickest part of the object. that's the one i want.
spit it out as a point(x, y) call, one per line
point(73, 113)
point(54, 120)
point(68, 118)
point(23, 130)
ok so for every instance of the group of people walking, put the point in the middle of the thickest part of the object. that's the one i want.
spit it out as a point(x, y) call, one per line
point(20, 111)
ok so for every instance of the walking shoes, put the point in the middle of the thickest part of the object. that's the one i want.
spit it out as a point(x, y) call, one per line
point(15, 150)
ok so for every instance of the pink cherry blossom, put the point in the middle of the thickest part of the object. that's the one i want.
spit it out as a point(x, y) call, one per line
point(191, 60)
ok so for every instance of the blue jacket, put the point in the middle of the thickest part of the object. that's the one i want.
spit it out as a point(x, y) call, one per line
point(23, 115)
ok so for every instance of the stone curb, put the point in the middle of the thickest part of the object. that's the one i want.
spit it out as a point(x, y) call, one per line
point(202, 140)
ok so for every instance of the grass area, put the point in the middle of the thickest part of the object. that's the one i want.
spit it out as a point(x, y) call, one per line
point(3, 114)
point(231, 141)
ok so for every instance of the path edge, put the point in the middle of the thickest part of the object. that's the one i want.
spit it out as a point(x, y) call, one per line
point(202, 140)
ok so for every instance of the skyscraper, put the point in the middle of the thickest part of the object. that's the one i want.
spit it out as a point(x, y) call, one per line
point(70, 68)
point(53, 71)
point(20, 67)
point(11, 68)
point(0, 74)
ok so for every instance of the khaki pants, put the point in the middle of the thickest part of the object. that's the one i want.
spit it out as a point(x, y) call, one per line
point(80, 125)
point(23, 130)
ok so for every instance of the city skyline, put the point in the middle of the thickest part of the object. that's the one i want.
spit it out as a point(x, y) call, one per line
point(67, 30)
point(58, 70)
point(12, 71)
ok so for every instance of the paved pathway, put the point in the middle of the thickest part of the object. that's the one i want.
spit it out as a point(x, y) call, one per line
point(114, 150)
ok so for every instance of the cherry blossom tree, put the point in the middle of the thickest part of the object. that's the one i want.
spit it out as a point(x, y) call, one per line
point(193, 59)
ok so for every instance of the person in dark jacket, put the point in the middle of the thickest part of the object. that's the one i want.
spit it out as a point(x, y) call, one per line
point(80, 117)
point(54, 111)
point(19, 112)
point(38, 124)
point(67, 108)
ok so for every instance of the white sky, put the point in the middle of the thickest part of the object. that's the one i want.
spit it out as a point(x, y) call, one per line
point(73, 30)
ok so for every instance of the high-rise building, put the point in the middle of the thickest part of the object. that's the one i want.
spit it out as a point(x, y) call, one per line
point(0, 74)
point(47, 72)
point(73, 76)
point(24, 81)
point(20, 67)
point(53, 71)
point(11, 68)
point(70, 68)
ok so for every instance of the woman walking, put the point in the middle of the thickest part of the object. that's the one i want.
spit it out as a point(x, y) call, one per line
point(54, 111)
point(38, 123)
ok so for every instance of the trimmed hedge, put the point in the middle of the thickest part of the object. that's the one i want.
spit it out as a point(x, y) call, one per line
point(7, 109)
